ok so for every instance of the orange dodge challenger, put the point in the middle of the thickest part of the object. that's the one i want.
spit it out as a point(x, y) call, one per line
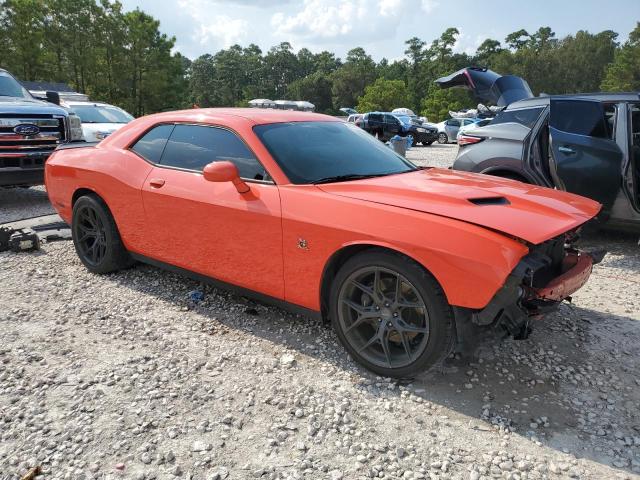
point(313, 213)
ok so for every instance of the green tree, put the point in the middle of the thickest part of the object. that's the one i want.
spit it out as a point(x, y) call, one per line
point(22, 26)
point(438, 102)
point(384, 95)
point(314, 88)
point(350, 80)
point(517, 40)
point(624, 73)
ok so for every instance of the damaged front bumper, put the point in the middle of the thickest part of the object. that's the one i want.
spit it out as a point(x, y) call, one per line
point(549, 274)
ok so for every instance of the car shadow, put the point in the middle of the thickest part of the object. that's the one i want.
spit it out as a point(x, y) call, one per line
point(571, 385)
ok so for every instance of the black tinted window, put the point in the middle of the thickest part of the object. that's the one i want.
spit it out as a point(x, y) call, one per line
point(192, 147)
point(525, 116)
point(310, 151)
point(152, 143)
point(453, 123)
point(579, 117)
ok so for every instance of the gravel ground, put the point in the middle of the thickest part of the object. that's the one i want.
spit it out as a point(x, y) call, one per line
point(19, 203)
point(435, 155)
point(124, 376)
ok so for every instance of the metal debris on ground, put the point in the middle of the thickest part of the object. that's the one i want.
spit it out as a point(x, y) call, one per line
point(21, 240)
point(32, 473)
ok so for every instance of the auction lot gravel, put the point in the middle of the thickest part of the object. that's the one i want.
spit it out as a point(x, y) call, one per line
point(126, 376)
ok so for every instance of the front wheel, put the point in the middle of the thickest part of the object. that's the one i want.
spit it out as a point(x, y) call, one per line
point(96, 237)
point(390, 314)
point(443, 138)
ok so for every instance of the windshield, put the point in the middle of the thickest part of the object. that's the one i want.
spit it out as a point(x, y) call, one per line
point(308, 152)
point(404, 119)
point(101, 114)
point(9, 87)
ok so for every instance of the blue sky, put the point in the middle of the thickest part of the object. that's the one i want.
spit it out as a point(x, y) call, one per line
point(380, 26)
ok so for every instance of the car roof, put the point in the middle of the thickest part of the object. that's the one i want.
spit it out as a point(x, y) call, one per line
point(255, 115)
point(95, 104)
point(598, 96)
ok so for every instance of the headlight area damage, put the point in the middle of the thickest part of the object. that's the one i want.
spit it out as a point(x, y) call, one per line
point(550, 273)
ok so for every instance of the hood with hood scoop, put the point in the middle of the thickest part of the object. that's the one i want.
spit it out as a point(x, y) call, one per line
point(531, 213)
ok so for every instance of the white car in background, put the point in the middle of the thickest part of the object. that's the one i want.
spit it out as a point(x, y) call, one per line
point(469, 128)
point(99, 120)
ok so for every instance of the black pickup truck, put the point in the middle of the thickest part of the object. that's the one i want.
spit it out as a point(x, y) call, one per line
point(30, 130)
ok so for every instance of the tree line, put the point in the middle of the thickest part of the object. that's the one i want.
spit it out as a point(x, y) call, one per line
point(123, 58)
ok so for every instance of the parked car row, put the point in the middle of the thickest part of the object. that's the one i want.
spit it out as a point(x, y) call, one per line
point(384, 125)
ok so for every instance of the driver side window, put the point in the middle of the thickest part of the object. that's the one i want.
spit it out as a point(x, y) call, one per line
point(191, 147)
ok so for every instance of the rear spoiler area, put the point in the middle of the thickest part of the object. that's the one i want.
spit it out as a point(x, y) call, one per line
point(66, 146)
point(488, 86)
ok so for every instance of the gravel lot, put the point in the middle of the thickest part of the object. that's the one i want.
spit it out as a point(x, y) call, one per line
point(124, 376)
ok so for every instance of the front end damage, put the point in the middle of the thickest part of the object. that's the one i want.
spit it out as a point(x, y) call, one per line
point(550, 273)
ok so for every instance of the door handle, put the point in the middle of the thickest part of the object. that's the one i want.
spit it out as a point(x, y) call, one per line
point(567, 150)
point(156, 182)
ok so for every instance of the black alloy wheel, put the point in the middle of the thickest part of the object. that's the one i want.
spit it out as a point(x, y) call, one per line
point(96, 237)
point(90, 235)
point(390, 314)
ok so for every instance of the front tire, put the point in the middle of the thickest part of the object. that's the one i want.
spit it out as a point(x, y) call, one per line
point(390, 314)
point(96, 237)
point(443, 138)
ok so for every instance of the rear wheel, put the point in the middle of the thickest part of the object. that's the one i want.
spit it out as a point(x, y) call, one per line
point(442, 138)
point(96, 238)
point(390, 314)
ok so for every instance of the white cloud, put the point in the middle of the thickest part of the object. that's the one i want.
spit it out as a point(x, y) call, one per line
point(337, 21)
point(216, 30)
point(430, 5)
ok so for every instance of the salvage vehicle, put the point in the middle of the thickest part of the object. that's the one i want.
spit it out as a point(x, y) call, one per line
point(588, 144)
point(405, 262)
point(30, 129)
point(384, 125)
point(99, 120)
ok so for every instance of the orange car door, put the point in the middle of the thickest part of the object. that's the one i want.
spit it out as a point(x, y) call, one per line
point(211, 228)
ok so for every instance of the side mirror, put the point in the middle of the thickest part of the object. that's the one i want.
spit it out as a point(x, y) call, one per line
point(53, 97)
point(224, 172)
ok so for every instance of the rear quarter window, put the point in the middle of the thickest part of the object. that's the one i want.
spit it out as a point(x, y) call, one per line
point(151, 145)
point(524, 116)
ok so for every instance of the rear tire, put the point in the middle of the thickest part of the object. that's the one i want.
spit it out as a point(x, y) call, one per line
point(443, 138)
point(411, 316)
point(96, 237)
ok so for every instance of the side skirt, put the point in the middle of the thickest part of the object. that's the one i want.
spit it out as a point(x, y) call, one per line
point(244, 292)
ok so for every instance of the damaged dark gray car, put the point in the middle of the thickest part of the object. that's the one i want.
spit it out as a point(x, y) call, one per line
point(587, 144)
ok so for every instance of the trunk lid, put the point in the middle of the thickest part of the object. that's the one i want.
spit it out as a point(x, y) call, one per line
point(531, 213)
point(488, 86)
